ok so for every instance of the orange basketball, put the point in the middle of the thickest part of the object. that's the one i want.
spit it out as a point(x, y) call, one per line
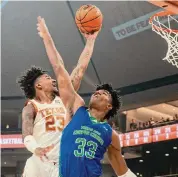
point(88, 18)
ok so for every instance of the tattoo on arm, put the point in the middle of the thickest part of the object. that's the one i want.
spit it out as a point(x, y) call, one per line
point(27, 120)
point(86, 54)
point(75, 78)
point(78, 72)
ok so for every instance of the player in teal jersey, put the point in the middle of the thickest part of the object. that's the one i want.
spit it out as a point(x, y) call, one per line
point(87, 137)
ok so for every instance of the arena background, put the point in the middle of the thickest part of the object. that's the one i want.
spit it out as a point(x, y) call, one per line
point(127, 54)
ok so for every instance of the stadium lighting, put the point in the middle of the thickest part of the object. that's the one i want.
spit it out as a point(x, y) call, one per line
point(7, 126)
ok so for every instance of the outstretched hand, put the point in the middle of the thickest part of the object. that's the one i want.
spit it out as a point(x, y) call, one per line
point(41, 27)
point(92, 36)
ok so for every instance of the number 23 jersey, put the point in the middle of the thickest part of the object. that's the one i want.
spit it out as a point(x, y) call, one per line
point(48, 125)
point(83, 144)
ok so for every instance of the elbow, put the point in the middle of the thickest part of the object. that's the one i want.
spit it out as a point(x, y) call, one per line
point(115, 149)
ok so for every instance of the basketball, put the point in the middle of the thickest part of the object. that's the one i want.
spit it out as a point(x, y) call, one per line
point(88, 19)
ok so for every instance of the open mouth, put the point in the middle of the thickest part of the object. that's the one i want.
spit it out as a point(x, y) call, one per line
point(55, 85)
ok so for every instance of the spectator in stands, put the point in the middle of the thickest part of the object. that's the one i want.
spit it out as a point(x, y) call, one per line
point(140, 126)
point(133, 125)
point(147, 125)
point(152, 122)
point(168, 119)
point(144, 126)
point(176, 117)
point(162, 120)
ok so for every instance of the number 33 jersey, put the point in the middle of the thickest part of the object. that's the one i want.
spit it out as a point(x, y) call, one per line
point(48, 125)
point(83, 144)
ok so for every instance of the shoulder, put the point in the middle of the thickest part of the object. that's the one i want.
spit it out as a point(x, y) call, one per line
point(81, 109)
point(33, 104)
point(29, 109)
point(107, 126)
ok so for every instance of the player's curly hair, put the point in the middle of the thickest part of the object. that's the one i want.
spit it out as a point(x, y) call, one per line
point(27, 81)
point(116, 99)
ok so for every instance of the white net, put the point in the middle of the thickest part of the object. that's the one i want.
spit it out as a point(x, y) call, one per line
point(164, 29)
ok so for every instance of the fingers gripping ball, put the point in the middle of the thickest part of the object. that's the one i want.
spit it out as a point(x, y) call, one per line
point(88, 19)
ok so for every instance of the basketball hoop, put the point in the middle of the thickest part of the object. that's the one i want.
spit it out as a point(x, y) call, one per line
point(165, 31)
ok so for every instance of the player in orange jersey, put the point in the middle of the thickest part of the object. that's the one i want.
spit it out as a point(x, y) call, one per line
point(44, 116)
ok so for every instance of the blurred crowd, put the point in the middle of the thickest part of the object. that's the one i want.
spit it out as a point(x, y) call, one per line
point(152, 123)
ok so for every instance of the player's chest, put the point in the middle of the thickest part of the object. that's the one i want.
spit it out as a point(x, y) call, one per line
point(52, 118)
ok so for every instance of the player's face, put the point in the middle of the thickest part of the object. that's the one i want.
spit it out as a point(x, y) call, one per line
point(47, 84)
point(101, 100)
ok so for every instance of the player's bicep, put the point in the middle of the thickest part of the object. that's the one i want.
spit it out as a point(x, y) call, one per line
point(66, 90)
point(76, 78)
point(67, 97)
point(28, 115)
point(114, 150)
point(115, 140)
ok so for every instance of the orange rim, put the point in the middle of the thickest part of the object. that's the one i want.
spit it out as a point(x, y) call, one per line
point(161, 14)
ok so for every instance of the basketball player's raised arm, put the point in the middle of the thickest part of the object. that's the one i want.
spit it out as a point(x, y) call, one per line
point(67, 92)
point(116, 159)
point(79, 71)
point(53, 54)
point(55, 57)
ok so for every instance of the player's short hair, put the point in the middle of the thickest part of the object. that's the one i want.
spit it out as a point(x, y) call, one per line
point(116, 99)
point(27, 80)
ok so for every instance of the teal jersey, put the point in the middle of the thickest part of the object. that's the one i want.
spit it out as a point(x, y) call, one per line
point(83, 144)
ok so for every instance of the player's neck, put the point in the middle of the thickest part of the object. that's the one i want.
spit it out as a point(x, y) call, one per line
point(45, 97)
point(96, 114)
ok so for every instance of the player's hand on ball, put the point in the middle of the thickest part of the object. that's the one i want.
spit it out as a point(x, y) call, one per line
point(42, 28)
point(92, 36)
